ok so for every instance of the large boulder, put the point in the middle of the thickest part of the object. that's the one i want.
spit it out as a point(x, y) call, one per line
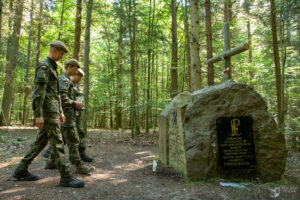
point(188, 133)
point(230, 99)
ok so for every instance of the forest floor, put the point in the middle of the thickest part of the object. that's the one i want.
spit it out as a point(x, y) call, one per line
point(124, 171)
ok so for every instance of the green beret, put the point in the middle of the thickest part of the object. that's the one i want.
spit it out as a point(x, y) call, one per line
point(73, 62)
point(57, 44)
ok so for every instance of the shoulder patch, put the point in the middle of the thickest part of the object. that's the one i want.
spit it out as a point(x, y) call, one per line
point(65, 80)
point(44, 67)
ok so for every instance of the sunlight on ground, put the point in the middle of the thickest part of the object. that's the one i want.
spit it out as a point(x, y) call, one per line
point(103, 175)
point(46, 180)
point(144, 152)
point(18, 189)
point(11, 161)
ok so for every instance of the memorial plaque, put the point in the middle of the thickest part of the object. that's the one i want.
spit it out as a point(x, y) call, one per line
point(235, 142)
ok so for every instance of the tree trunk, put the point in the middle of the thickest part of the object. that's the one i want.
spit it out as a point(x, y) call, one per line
point(132, 33)
point(149, 54)
point(77, 30)
point(210, 66)
point(195, 46)
point(118, 106)
point(27, 86)
point(11, 15)
point(187, 44)
point(61, 25)
point(11, 61)
point(276, 62)
point(38, 42)
point(174, 62)
point(1, 4)
point(86, 61)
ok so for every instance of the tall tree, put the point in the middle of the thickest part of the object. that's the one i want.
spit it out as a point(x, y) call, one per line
point(38, 41)
point(277, 63)
point(77, 30)
point(174, 62)
point(27, 86)
point(132, 34)
point(195, 46)
point(246, 6)
point(87, 61)
point(11, 61)
point(149, 54)
point(11, 16)
point(187, 42)
point(120, 57)
point(209, 47)
point(61, 25)
point(1, 4)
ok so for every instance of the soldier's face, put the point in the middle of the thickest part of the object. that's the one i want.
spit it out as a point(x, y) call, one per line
point(57, 54)
point(73, 70)
point(76, 78)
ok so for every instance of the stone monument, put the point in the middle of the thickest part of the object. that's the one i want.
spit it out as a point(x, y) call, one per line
point(221, 131)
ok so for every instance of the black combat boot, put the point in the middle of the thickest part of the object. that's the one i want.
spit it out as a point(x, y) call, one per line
point(71, 182)
point(86, 158)
point(25, 176)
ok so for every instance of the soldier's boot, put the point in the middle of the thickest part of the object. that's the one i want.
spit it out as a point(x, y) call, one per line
point(86, 158)
point(50, 164)
point(22, 174)
point(46, 153)
point(83, 169)
point(71, 182)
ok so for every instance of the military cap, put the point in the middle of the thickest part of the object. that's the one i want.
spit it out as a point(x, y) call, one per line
point(57, 44)
point(73, 62)
point(80, 72)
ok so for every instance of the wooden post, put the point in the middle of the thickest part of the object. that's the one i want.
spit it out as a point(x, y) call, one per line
point(228, 75)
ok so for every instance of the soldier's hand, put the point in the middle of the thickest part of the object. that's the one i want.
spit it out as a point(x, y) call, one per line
point(62, 118)
point(79, 105)
point(39, 122)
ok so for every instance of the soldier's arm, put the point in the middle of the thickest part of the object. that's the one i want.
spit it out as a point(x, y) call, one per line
point(39, 93)
point(66, 102)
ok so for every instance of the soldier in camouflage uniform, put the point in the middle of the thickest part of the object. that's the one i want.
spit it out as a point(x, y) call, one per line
point(70, 105)
point(82, 136)
point(48, 114)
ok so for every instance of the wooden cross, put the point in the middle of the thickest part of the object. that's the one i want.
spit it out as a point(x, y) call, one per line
point(225, 57)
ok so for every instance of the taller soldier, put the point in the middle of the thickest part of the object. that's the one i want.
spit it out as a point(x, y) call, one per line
point(48, 116)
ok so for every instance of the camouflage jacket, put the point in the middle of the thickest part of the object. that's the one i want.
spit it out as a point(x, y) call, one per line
point(45, 96)
point(78, 97)
point(67, 94)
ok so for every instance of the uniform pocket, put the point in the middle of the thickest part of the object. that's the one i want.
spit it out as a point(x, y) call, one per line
point(51, 118)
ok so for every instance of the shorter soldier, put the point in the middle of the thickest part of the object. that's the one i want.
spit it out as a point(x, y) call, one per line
point(82, 135)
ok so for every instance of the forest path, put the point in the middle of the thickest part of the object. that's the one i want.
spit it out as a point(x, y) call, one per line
point(123, 171)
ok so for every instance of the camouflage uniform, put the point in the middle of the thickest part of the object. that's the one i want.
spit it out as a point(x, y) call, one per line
point(46, 103)
point(67, 93)
point(80, 131)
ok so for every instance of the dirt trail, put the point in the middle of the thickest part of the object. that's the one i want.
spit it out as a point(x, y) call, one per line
point(123, 171)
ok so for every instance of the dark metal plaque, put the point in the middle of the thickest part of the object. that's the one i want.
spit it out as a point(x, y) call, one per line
point(235, 142)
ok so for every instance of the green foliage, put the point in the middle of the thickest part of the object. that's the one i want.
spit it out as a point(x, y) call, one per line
point(105, 32)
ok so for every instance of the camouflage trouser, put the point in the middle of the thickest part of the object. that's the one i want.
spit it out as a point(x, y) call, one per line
point(51, 132)
point(81, 134)
point(71, 139)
